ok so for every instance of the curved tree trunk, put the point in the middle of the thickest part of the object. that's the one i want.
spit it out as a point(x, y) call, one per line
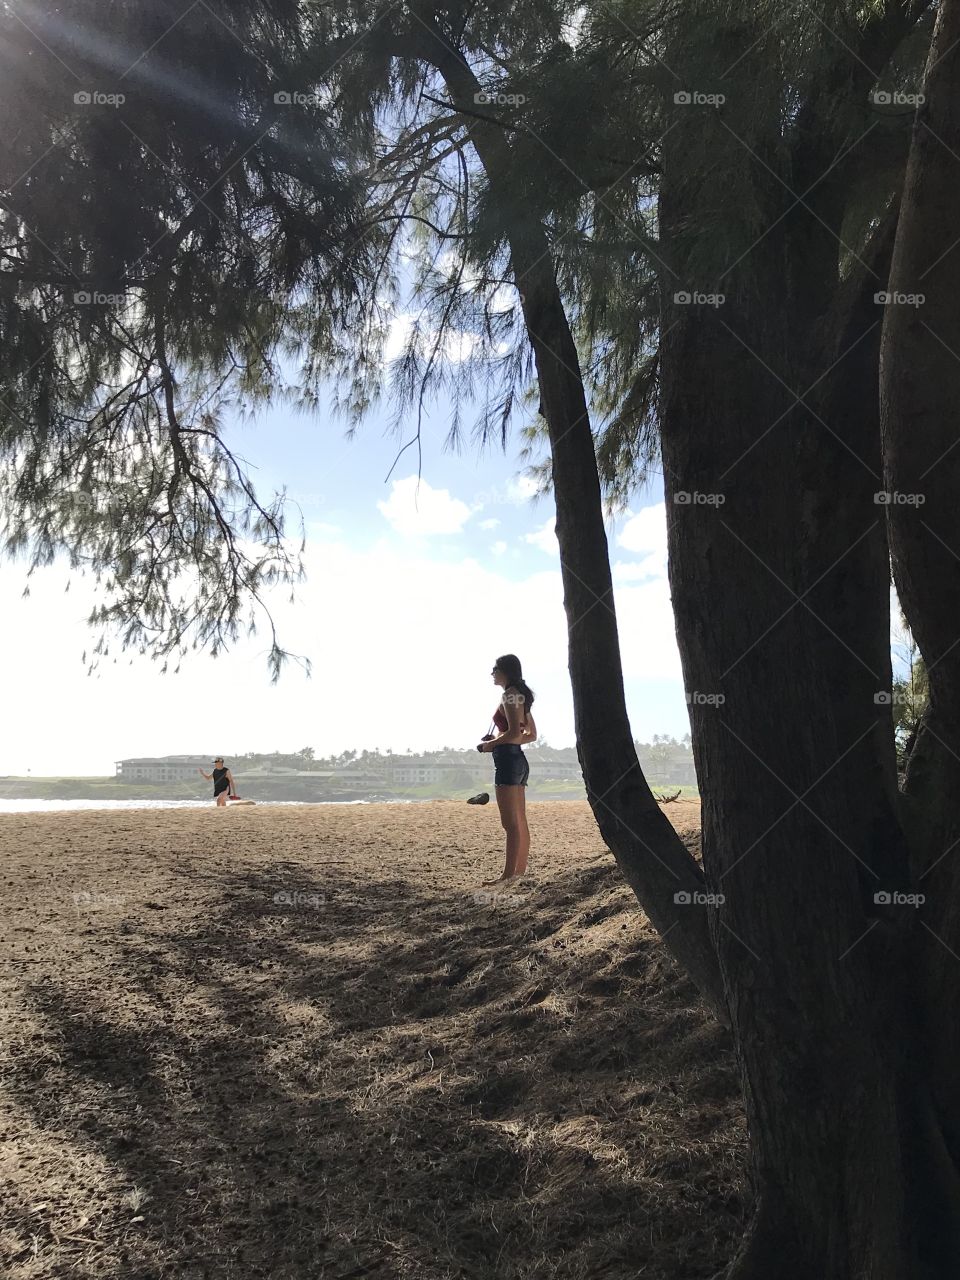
point(921, 438)
point(667, 881)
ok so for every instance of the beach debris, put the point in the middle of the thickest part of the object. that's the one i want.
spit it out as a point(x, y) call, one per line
point(668, 799)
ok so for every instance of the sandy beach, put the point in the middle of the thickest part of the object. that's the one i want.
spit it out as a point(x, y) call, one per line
point(297, 1042)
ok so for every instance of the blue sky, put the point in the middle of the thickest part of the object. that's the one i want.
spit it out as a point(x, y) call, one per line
point(412, 591)
point(413, 588)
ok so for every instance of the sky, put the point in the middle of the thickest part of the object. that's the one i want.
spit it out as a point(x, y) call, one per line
point(413, 589)
point(414, 586)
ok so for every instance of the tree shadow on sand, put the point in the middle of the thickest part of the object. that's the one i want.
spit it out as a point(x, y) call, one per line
point(367, 1079)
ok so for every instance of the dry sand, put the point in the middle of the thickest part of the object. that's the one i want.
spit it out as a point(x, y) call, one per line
point(292, 1042)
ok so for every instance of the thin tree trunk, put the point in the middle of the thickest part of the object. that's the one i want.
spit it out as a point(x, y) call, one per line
point(655, 863)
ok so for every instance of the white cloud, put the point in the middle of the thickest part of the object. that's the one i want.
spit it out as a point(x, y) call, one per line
point(573, 27)
point(457, 345)
point(415, 508)
point(486, 525)
point(545, 538)
point(449, 266)
point(379, 624)
point(498, 548)
point(321, 529)
point(398, 335)
point(645, 534)
point(516, 492)
point(504, 298)
point(627, 571)
point(521, 489)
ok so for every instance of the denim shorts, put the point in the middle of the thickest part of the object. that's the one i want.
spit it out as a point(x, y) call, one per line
point(512, 767)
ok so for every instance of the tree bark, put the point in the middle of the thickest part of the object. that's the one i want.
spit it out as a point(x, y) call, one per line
point(779, 577)
point(801, 821)
point(920, 392)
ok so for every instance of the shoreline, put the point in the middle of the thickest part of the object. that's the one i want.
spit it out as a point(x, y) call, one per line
point(20, 805)
point(37, 804)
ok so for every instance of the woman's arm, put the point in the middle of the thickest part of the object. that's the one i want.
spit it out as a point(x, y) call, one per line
point(530, 729)
point(208, 776)
point(233, 789)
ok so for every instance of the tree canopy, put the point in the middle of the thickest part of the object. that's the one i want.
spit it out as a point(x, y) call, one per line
point(174, 239)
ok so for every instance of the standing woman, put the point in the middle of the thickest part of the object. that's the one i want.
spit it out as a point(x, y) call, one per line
point(516, 726)
point(222, 780)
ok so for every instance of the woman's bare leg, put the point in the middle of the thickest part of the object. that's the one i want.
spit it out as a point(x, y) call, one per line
point(222, 800)
point(523, 852)
point(510, 801)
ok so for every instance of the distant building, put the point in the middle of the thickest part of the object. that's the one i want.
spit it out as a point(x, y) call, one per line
point(358, 780)
point(550, 770)
point(675, 770)
point(281, 774)
point(163, 768)
point(184, 769)
point(414, 775)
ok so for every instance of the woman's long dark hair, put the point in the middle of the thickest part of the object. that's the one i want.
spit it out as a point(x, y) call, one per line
point(509, 664)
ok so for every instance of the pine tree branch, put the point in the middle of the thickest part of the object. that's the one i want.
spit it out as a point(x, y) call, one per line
point(887, 30)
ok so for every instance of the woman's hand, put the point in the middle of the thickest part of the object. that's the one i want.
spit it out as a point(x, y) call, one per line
point(484, 745)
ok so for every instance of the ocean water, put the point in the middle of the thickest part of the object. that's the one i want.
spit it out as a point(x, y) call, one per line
point(59, 806)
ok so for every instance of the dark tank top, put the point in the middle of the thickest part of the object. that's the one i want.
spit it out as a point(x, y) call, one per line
point(220, 776)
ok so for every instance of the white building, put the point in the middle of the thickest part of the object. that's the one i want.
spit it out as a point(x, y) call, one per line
point(413, 775)
point(163, 768)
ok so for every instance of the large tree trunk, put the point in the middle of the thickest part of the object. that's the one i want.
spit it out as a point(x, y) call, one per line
point(921, 438)
point(667, 881)
point(779, 577)
point(801, 818)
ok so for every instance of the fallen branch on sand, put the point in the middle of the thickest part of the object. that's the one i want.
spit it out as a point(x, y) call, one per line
point(668, 799)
